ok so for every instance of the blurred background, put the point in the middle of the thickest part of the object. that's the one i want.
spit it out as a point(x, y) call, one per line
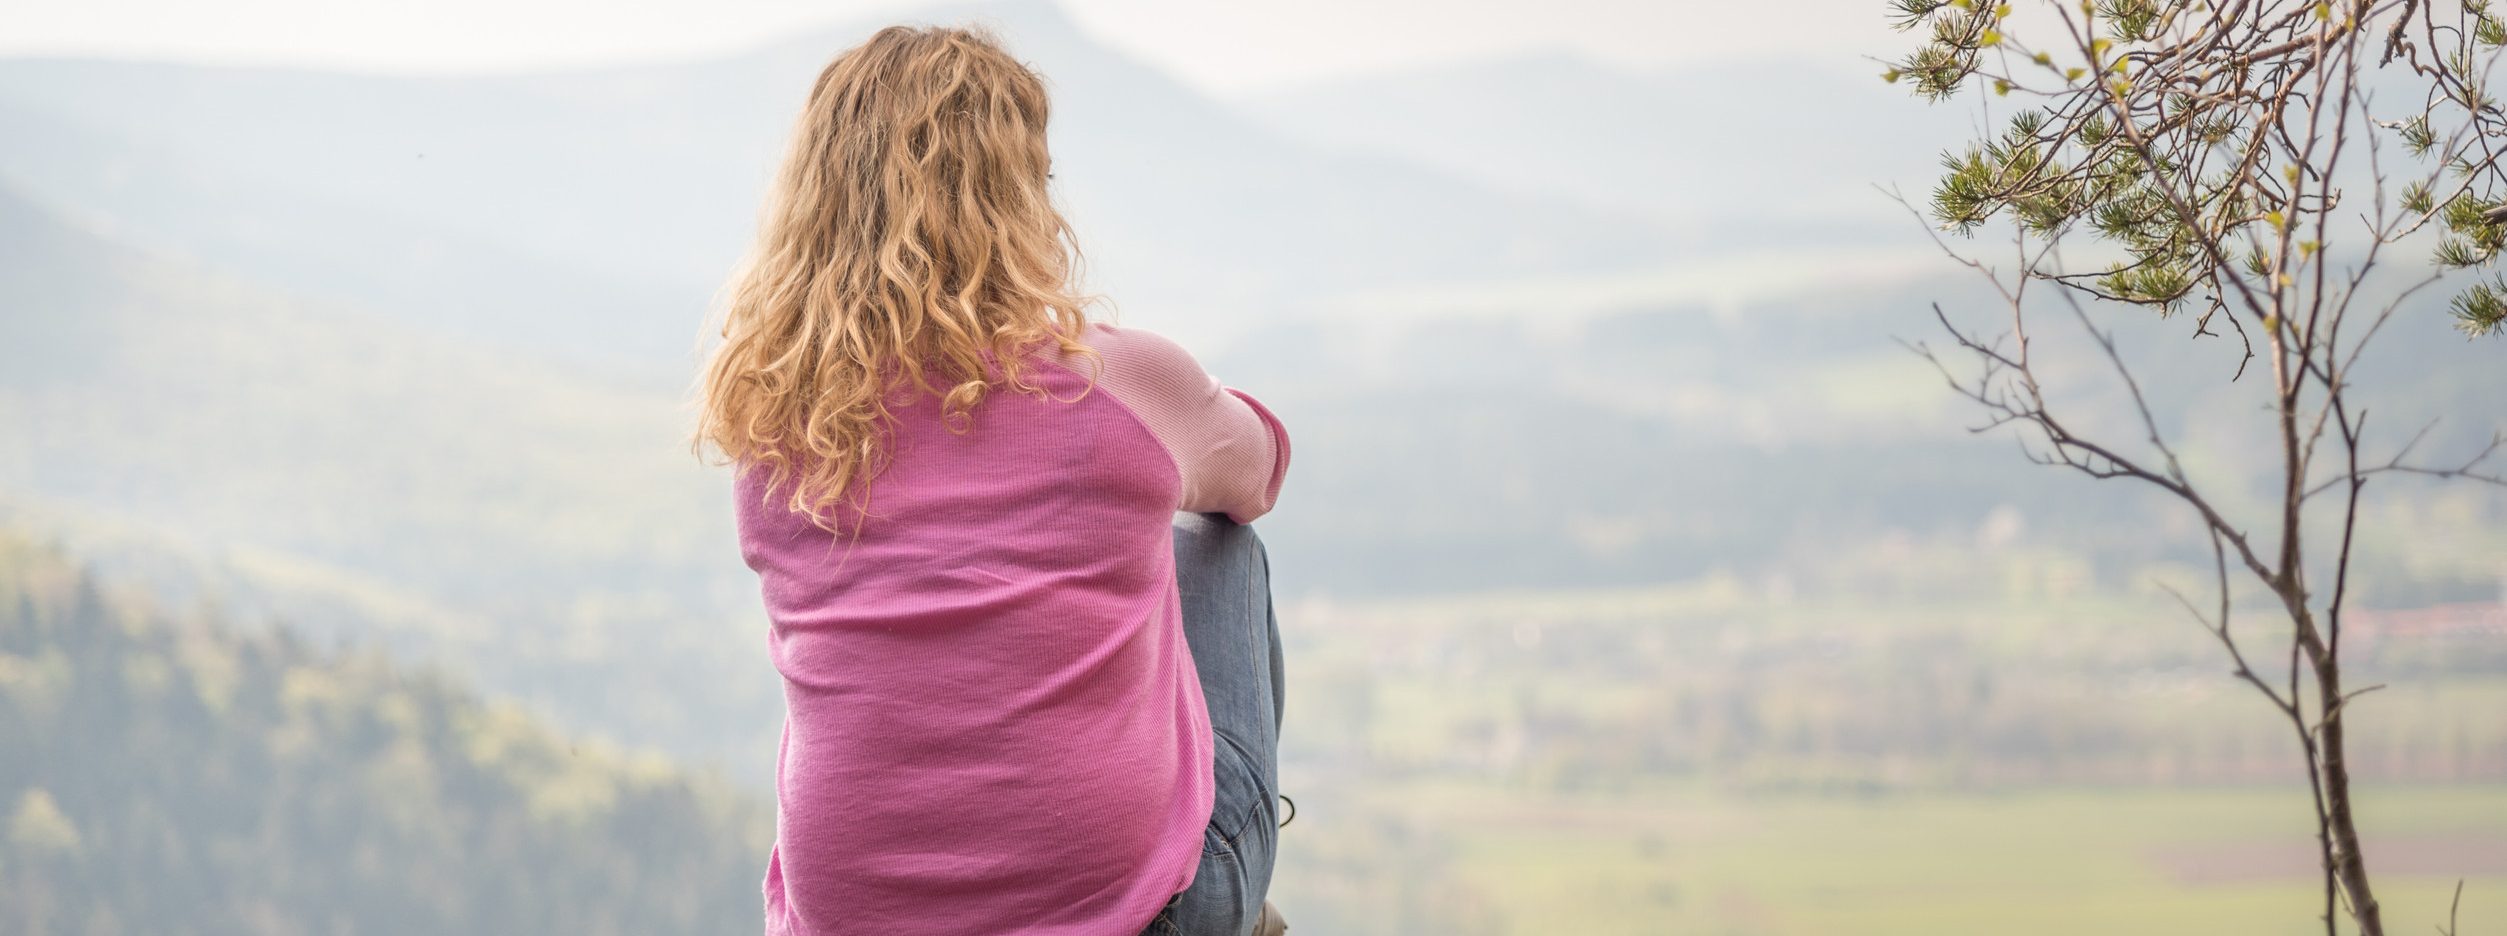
point(356, 575)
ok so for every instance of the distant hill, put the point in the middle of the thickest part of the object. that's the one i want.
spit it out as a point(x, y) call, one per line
point(1749, 154)
point(546, 530)
point(163, 774)
point(1759, 153)
point(592, 214)
point(1513, 447)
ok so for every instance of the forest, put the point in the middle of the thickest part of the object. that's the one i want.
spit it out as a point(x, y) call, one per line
point(167, 773)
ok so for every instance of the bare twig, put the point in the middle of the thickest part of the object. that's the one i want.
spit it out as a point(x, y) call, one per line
point(2206, 141)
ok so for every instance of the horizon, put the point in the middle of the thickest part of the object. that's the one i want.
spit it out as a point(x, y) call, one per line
point(1218, 53)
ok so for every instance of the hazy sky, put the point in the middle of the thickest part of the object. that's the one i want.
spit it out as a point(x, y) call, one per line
point(1223, 47)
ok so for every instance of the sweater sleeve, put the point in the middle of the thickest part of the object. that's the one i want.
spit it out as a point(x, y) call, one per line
point(1231, 453)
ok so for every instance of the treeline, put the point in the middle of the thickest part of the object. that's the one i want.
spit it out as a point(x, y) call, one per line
point(1832, 699)
point(168, 774)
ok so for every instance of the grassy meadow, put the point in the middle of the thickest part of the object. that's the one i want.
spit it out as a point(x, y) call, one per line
point(2052, 862)
point(2021, 756)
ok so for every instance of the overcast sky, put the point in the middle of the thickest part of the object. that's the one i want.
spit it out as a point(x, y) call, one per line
point(1223, 47)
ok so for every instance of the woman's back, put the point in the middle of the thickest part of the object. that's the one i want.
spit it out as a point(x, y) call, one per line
point(994, 722)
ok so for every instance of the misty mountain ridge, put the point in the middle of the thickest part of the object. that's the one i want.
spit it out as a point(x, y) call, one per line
point(593, 213)
point(1793, 161)
point(370, 482)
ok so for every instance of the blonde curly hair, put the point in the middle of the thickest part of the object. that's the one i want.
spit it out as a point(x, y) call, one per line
point(911, 241)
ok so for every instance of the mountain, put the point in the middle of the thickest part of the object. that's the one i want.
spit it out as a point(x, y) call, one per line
point(593, 213)
point(1767, 154)
point(165, 774)
point(1511, 446)
point(547, 530)
point(1758, 153)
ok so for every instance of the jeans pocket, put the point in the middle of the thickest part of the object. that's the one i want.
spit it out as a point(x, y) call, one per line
point(1226, 894)
point(1239, 798)
point(1220, 902)
point(1164, 923)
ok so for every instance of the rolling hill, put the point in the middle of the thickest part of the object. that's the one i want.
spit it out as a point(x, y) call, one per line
point(161, 773)
point(546, 530)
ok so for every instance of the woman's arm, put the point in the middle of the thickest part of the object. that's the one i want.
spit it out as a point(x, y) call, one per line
point(1230, 451)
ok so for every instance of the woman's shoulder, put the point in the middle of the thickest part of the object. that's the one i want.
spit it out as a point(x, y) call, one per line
point(1132, 343)
point(1135, 360)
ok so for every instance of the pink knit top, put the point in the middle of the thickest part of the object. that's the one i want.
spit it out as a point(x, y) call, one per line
point(993, 722)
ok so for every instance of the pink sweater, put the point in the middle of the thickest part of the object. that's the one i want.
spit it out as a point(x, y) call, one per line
point(993, 722)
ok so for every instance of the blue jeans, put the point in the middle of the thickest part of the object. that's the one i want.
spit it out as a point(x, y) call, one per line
point(1225, 578)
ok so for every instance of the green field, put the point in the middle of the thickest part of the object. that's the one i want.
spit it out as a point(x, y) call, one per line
point(2152, 862)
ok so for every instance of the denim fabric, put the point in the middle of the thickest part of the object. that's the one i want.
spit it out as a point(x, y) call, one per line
point(1225, 578)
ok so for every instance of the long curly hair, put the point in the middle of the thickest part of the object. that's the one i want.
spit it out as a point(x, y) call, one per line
point(910, 243)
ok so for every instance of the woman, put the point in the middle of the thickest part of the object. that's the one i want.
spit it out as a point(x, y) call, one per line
point(961, 498)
